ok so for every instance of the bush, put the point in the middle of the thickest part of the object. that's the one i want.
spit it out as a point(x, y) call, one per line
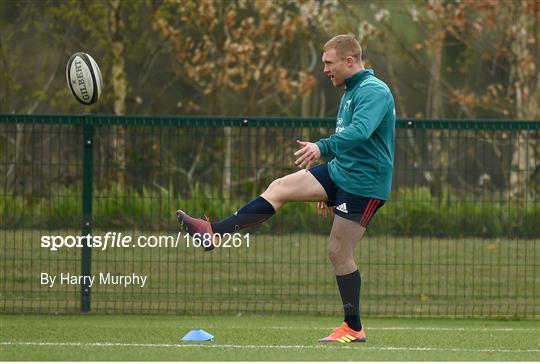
point(409, 212)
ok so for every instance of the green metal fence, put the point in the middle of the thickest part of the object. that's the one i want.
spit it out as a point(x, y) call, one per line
point(459, 237)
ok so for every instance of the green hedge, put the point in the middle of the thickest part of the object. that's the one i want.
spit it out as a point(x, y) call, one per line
point(409, 212)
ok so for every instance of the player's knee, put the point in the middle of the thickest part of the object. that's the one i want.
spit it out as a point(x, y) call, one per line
point(273, 194)
point(275, 187)
point(276, 184)
point(336, 254)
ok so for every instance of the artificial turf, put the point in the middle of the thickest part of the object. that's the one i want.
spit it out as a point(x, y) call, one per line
point(255, 337)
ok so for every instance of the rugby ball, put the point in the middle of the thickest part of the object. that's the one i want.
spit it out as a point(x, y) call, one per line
point(84, 78)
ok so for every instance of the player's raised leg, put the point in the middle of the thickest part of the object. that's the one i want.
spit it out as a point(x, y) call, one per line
point(299, 186)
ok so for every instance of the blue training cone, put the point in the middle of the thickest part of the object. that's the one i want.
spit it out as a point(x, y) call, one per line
point(198, 335)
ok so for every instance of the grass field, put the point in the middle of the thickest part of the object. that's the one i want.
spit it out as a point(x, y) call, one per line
point(280, 274)
point(257, 338)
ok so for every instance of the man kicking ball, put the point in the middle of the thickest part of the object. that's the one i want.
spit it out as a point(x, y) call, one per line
point(356, 182)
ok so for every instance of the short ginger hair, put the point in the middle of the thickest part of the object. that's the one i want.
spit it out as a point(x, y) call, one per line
point(345, 45)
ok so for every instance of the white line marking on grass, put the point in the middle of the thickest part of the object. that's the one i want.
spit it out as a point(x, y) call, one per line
point(405, 328)
point(368, 328)
point(240, 346)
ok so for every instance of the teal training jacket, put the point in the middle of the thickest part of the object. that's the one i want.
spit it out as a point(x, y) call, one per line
point(363, 146)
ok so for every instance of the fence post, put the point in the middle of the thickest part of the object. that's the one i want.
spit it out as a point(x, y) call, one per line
point(86, 256)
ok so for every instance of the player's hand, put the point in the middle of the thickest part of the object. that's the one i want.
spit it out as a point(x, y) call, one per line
point(323, 210)
point(307, 154)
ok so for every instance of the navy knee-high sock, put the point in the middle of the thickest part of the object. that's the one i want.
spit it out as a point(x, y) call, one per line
point(253, 213)
point(349, 289)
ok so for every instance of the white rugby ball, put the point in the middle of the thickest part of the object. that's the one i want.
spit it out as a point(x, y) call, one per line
point(84, 78)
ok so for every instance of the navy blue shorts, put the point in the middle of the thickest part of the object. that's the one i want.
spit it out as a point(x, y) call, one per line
point(347, 205)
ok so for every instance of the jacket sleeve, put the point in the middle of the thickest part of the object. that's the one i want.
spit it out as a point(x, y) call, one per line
point(370, 109)
point(325, 151)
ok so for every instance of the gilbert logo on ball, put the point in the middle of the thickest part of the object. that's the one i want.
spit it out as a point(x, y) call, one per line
point(84, 78)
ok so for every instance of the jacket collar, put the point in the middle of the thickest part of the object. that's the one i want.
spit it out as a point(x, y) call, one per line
point(353, 80)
